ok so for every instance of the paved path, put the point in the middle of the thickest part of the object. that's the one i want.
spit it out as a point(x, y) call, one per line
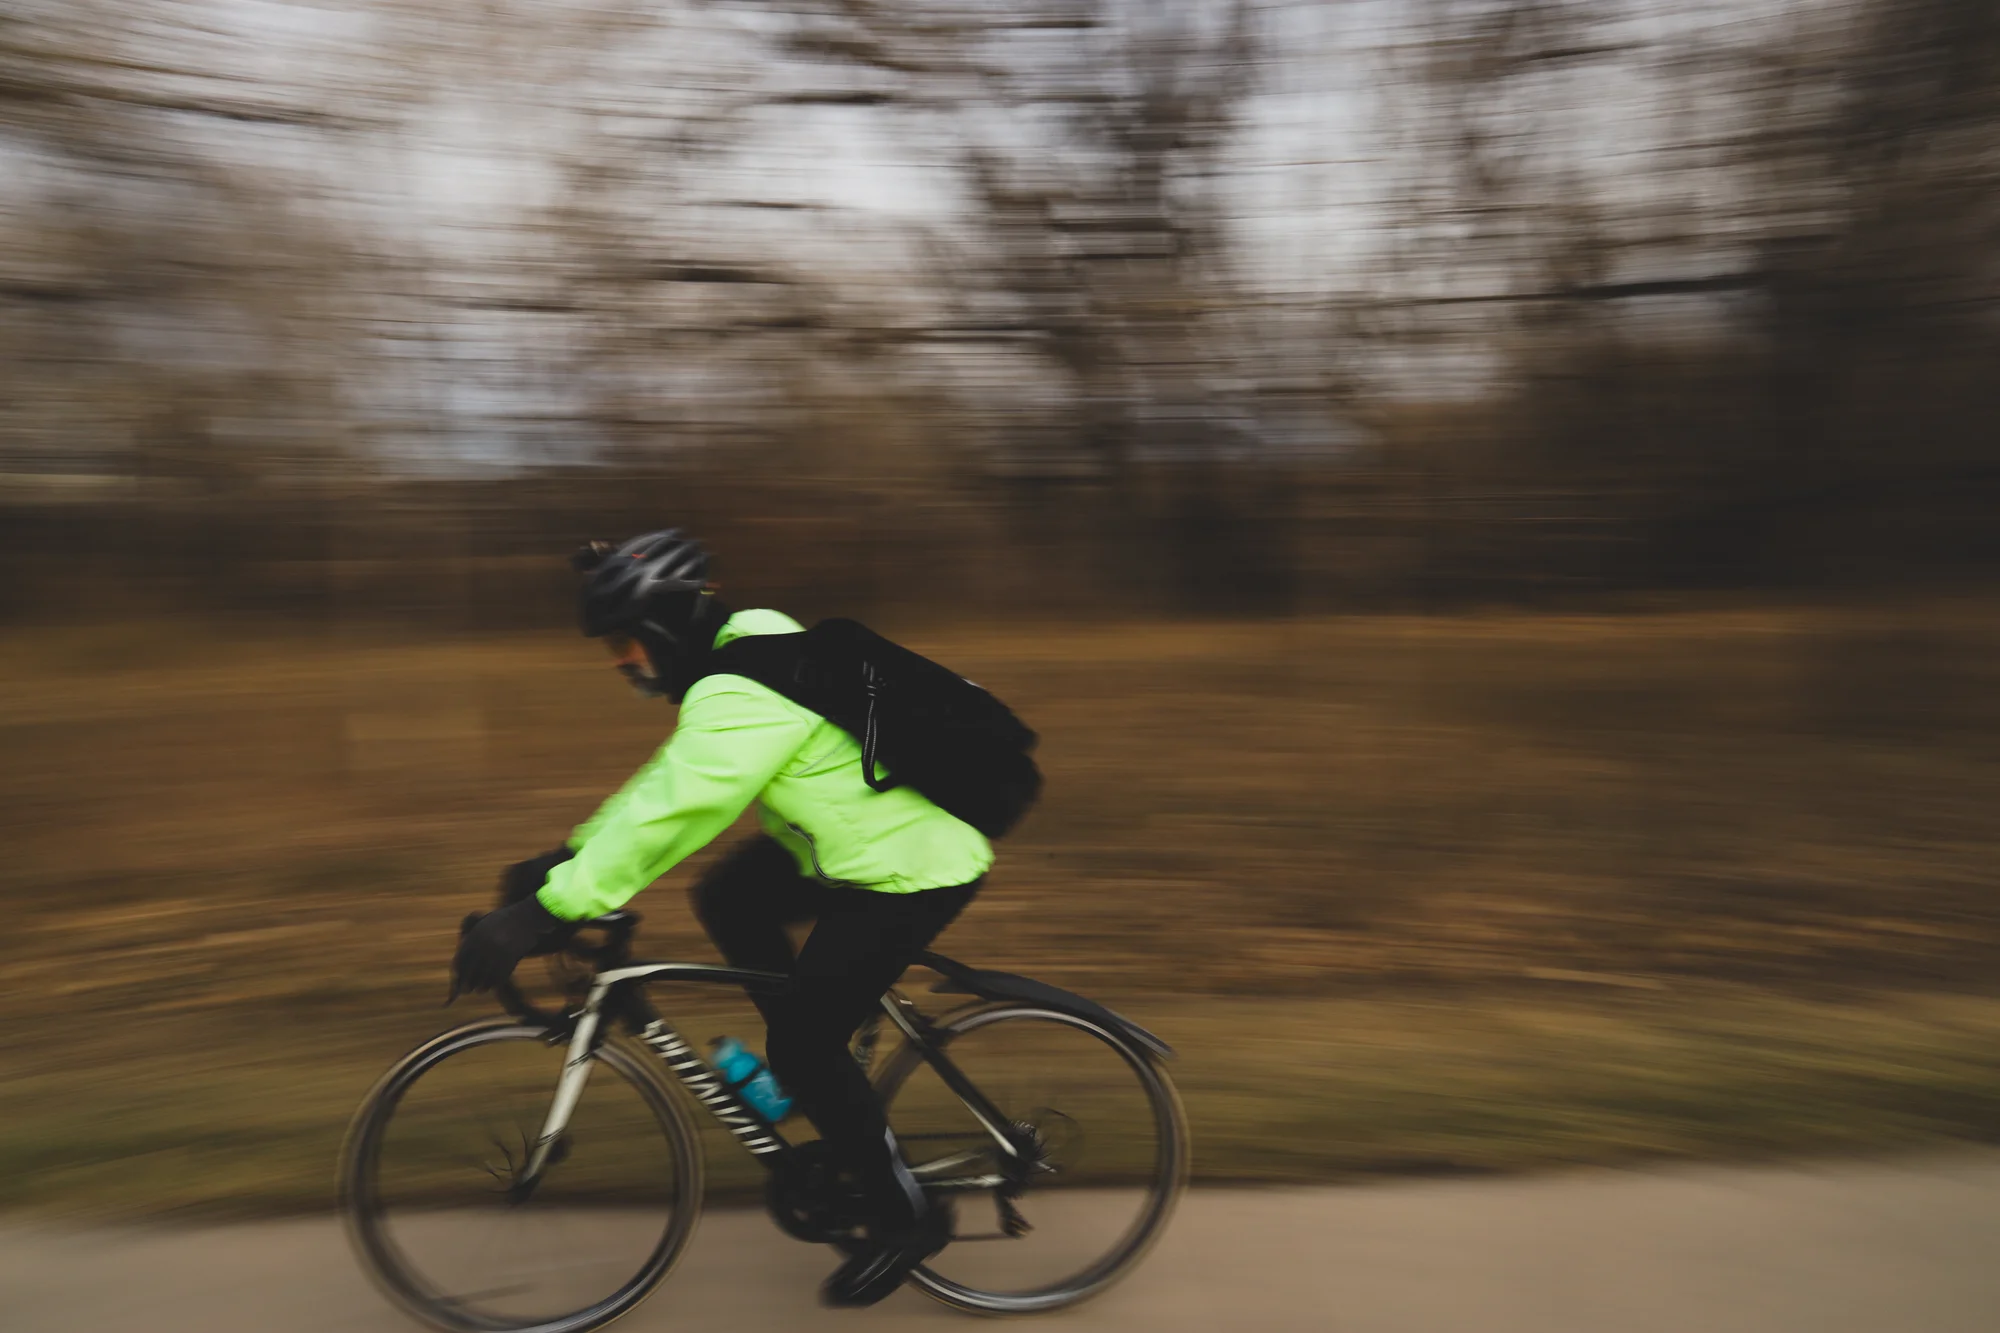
point(1905, 1248)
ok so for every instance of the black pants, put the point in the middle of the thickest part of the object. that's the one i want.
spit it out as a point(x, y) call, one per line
point(861, 942)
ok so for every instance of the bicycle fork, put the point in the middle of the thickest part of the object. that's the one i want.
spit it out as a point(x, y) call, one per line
point(569, 1091)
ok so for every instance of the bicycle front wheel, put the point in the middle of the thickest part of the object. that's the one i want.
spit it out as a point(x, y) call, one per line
point(1106, 1162)
point(446, 1218)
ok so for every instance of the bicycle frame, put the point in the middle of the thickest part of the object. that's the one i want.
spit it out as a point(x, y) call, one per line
point(992, 1158)
point(616, 993)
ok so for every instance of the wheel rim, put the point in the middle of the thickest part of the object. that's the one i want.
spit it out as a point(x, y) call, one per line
point(1109, 1125)
point(437, 1206)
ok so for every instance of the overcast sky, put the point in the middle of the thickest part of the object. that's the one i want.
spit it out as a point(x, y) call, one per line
point(456, 128)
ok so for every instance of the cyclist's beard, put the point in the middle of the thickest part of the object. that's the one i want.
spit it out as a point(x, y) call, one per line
point(643, 682)
point(671, 669)
point(675, 661)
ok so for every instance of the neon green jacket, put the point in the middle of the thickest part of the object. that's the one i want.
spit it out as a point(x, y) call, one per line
point(738, 742)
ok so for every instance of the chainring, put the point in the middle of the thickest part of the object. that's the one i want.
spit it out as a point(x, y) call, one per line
point(809, 1201)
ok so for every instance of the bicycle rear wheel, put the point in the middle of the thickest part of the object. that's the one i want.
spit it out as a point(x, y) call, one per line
point(1109, 1156)
point(437, 1207)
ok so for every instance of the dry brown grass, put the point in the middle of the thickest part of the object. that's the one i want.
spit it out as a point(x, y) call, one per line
point(234, 1113)
point(256, 849)
point(1787, 797)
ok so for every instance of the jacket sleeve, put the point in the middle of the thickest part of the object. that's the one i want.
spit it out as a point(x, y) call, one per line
point(613, 804)
point(732, 739)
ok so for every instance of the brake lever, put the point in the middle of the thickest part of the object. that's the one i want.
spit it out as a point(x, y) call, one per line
point(465, 926)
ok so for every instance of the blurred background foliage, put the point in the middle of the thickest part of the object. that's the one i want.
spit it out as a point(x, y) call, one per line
point(1490, 503)
point(1204, 306)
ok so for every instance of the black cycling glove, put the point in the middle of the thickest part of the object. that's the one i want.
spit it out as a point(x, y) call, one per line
point(491, 946)
point(523, 878)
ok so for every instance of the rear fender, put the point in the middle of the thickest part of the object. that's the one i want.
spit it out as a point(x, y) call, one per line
point(962, 980)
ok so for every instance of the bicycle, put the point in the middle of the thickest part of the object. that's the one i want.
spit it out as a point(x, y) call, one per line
point(488, 1183)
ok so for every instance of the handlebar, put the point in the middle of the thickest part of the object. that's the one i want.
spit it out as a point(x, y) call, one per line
point(618, 928)
point(614, 953)
point(521, 1007)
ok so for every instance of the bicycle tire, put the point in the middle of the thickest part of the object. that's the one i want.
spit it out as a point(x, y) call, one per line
point(382, 1257)
point(1166, 1180)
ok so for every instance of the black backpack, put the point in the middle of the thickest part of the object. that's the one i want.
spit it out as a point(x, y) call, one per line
point(925, 725)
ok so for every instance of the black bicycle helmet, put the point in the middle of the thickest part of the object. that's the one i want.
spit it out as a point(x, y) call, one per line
point(653, 577)
point(655, 588)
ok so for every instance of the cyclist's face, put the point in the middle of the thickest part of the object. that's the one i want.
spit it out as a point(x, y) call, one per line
point(628, 655)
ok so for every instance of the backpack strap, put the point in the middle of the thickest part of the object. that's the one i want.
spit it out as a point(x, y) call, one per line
point(786, 664)
point(871, 733)
point(775, 661)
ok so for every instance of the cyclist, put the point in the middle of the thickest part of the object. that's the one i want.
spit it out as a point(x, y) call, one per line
point(879, 873)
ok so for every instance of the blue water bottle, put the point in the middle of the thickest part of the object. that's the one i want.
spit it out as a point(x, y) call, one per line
point(750, 1077)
